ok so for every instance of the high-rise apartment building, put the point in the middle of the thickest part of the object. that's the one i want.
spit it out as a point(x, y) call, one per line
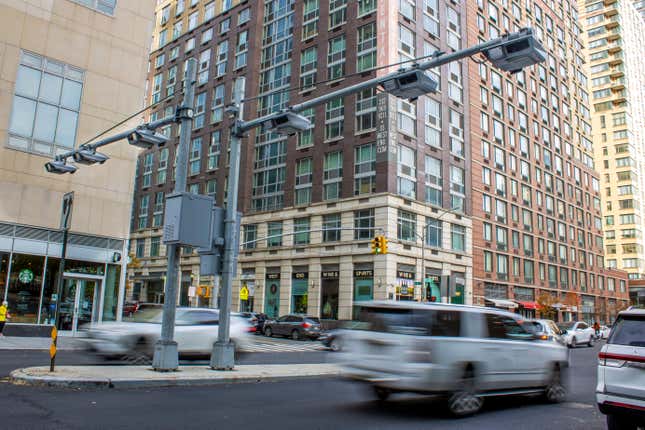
point(312, 202)
point(372, 164)
point(640, 6)
point(537, 216)
point(70, 69)
point(614, 47)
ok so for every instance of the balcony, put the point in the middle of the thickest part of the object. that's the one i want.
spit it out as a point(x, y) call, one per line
point(613, 34)
point(616, 59)
point(618, 84)
point(612, 22)
point(615, 46)
point(617, 71)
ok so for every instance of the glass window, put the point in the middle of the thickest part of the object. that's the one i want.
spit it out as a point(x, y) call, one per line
point(332, 175)
point(364, 224)
point(434, 231)
point(336, 57)
point(301, 231)
point(274, 233)
point(46, 105)
point(331, 228)
point(365, 169)
point(366, 47)
point(458, 237)
point(407, 226)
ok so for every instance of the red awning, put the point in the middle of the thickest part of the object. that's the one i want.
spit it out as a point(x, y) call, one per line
point(527, 305)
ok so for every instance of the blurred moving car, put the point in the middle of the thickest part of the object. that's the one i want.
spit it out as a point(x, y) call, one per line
point(332, 339)
point(195, 332)
point(545, 330)
point(130, 308)
point(255, 319)
point(296, 326)
point(577, 333)
point(620, 392)
point(604, 332)
point(463, 352)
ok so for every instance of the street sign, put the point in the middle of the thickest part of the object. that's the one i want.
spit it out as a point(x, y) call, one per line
point(244, 293)
point(417, 282)
point(66, 211)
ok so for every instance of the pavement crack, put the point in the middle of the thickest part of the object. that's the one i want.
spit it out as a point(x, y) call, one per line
point(46, 413)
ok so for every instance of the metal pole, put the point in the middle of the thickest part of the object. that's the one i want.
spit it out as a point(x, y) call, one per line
point(59, 293)
point(166, 355)
point(223, 356)
point(424, 292)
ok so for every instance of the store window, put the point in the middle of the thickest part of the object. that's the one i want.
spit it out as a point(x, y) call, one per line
point(25, 281)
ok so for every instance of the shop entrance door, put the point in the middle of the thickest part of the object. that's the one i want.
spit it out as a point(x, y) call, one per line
point(79, 303)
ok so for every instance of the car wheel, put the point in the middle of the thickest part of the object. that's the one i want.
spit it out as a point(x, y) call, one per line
point(268, 332)
point(335, 345)
point(295, 335)
point(382, 393)
point(464, 401)
point(592, 340)
point(555, 391)
point(140, 354)
point(615, 422)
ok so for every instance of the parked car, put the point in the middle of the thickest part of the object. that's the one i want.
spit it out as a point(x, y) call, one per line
point(620, 392)
point(577, 333)
point(195, 332)
point(295, 326)
point(545, 330)
point(463, 352)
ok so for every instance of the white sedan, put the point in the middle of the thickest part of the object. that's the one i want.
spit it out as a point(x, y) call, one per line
point(604, 331)
point(577, 333)
point(134, 338)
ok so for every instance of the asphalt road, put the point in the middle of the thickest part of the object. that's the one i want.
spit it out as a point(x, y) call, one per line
point(307, 404)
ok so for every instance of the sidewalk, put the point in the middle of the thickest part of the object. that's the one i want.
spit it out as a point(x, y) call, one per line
point(144, 376)
point(65, 343)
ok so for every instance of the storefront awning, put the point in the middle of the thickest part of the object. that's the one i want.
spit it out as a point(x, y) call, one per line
point(501, 303)
point(527, 305)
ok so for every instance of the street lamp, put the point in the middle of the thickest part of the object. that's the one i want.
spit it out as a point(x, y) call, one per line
point(89, 156)
point(146, 138)
point(59, 167)
point(410, 85)
point(517, 51)
point(288, 123)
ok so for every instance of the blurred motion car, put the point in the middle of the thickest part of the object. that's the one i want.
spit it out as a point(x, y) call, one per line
point(545, 330)
point(463, 352)
point(130, 308)
point(296, 326)
point(577, 333)
point(255, 319)
point(620, 392)
point(195, 332)
point(604, 332)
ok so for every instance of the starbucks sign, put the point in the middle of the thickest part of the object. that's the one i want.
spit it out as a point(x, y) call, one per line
point(26, 276)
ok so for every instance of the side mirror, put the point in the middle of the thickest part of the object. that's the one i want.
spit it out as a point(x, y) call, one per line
point(563, 331)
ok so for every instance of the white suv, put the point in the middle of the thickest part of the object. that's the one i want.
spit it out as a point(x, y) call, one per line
point(464, 352)
point(577, 333)
point(620, 392)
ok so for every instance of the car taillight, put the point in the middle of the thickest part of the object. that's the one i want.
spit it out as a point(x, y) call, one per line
point(251, 329)
point(611, 360)
point(305, 325)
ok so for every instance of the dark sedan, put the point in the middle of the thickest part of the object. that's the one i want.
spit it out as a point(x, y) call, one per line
point(295, 326)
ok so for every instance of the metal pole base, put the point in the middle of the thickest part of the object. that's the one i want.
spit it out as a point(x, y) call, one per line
point(166, 358)
point(223, 356)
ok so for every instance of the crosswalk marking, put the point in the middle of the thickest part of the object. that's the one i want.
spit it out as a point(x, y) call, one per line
point(273, 346)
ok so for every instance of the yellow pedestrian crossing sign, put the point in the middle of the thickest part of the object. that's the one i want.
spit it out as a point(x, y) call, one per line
point(244, 293)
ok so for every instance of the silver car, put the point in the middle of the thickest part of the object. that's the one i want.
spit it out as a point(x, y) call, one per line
point(620, 392)
point(463, 352)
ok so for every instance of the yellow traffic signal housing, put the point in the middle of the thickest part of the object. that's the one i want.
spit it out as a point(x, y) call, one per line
point(375, 245)
point(383, 245)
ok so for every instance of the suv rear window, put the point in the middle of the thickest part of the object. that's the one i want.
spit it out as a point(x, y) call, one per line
point(628, 331)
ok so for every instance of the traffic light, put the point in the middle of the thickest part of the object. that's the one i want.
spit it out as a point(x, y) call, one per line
point(375, 245)
point(383, 245)
point(379, 245)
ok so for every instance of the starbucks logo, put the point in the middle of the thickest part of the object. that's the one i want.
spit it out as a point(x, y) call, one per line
point(26, 276)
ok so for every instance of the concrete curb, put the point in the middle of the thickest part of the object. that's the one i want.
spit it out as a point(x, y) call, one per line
point(84, 377)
